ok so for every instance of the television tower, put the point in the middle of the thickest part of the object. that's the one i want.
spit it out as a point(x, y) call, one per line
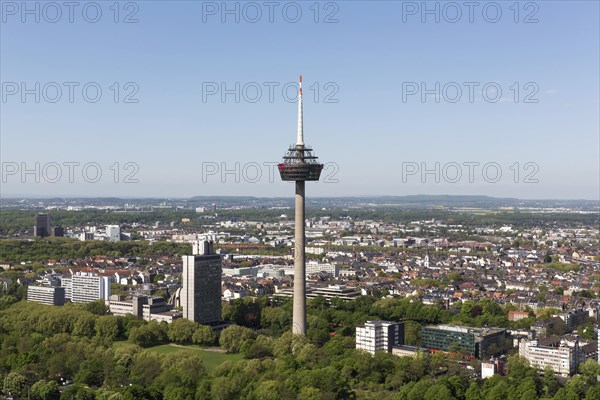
point(299, 165)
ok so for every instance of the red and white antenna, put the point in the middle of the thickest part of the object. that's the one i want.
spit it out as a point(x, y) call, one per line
point(300, 140)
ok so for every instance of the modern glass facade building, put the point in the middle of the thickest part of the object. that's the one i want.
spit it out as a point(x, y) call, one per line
point(476, 342)
point(42, 225)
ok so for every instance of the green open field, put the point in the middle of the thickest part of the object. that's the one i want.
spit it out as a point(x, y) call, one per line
point(211, 358)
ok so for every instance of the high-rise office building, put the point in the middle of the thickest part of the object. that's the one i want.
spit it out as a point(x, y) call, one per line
point(58, 231)
point(42, 225)
point(201, 292)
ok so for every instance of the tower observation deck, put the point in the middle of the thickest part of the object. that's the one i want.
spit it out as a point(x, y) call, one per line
point(299, 164)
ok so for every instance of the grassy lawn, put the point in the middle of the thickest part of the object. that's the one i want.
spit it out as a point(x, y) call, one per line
point(211, 358)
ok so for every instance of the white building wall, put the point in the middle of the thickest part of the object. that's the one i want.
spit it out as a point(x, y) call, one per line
point(375, 336)
point(113, 233)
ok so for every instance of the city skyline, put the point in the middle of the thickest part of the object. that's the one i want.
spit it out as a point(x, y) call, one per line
point(369, 75)
point(159, 240)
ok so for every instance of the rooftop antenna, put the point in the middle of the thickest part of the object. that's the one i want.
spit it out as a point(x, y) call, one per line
point(300, 139)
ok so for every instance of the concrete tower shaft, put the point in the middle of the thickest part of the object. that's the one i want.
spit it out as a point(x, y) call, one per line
point(299, 311)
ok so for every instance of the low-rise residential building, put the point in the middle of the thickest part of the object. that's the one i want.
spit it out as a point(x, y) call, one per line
point(517, 315)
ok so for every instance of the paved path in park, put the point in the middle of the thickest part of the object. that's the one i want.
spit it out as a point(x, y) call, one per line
point(213, 349)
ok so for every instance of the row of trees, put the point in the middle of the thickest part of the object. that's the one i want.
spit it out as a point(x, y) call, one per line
point(65, 248)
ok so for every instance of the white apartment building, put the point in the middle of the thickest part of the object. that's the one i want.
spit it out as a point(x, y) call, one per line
point(315, 267)
point(52, 295)
point(562, 359)
point(379, 336)
point(113, 233)
point(85, 287)
point(66, 281)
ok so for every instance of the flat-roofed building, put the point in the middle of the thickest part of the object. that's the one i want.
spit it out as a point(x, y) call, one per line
point(379, 336)
point(90, 286)
point(52, 295)
point(168, 316)
point(315, 267)
point(476, 342)
point(407, 351)
point(154, 305)
point(144, 307)
point(574, 318)
point(342, 292)
point(113, 233)
point(491, 368)
point(241, 271)
point(201, 291)
point(66, 281)
point(42, 225)
point(562, 359)
point(120, 306)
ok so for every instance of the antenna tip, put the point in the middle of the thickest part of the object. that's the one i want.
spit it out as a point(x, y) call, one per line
point(300, 78)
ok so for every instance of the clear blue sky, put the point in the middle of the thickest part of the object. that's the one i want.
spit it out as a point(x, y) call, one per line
point(370, 57)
